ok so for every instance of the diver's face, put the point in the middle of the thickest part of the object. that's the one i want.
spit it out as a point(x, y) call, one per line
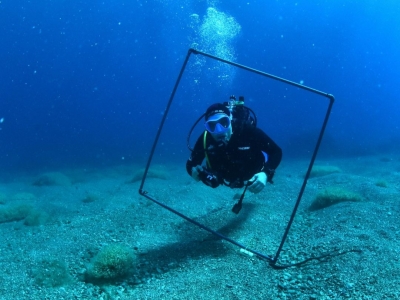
point(220, 127)
point(223, 137)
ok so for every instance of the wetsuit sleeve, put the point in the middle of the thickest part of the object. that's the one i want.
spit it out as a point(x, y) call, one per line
point(272, 149)
point(197, 156)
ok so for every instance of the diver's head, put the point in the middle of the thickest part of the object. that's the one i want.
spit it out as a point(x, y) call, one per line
point(218, 122)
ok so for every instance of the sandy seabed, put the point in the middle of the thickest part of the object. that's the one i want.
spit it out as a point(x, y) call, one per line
point(175, 259)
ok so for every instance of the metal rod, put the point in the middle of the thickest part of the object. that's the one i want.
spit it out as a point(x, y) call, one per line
point(260, 255)
point(153, 148)
point(261, 73)
point(328, 112)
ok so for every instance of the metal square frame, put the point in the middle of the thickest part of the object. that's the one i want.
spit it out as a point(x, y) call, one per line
point(271, 259)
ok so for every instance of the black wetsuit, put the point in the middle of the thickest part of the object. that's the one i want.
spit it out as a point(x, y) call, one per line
point(240, 159)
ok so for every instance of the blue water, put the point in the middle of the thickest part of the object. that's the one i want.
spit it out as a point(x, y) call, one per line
point(87, 82)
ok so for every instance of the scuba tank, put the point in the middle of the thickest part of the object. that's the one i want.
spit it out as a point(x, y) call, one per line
point(242, 116)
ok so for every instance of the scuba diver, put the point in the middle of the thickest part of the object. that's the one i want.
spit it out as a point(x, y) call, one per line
point(236, 153)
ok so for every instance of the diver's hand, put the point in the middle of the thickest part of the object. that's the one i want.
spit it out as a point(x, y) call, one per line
point(196, 172)
point(259, 181)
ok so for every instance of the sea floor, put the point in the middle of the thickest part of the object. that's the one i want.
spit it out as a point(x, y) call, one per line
point(62, 218)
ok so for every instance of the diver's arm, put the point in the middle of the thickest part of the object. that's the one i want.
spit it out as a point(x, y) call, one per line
point(274, 153)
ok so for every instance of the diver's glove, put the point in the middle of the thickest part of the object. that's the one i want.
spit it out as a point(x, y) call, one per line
point(208, 178)
point(259, 181)
point(196, 172)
